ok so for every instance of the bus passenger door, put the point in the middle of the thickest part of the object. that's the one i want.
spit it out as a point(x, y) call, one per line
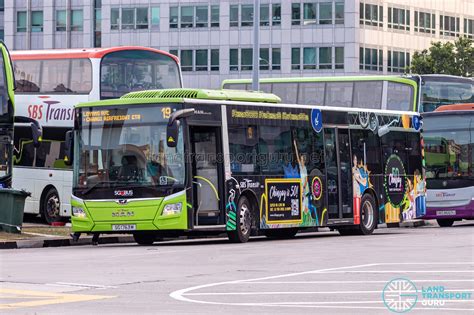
point(338, 173)
point(206, 175)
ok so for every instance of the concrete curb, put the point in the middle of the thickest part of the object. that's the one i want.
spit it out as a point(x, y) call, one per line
point(66, 241)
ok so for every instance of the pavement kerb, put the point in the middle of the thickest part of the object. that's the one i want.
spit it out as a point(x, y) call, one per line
point(65, 241)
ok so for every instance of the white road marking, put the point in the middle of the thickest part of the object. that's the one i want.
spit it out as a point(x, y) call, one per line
point(180, 294)
point(305, 292)
point(83, 285)
point(354, 282)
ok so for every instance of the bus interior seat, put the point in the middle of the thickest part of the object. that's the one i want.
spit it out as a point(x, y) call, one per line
point(129, 166)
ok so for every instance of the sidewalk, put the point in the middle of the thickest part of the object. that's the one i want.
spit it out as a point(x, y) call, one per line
point(38, 235)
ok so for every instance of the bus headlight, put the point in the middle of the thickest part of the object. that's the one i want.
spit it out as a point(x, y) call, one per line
point(78, 212)
point(172, 208)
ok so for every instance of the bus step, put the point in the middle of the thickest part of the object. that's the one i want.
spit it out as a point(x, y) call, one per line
point(210, 227)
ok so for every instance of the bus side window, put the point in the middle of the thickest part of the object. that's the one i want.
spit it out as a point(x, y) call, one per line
point(27, 75)
point(311, 93)
point(286, 91)
point(368, 94)
point(339, 94)
point(243, 149)
point(399, 96)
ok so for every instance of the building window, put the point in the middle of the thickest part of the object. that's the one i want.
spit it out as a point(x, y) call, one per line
point(36, 21)
point(187, 17)
point(246, 59)
point(234, 59)
point(214, 59)
point(173, 17)
point(309, 13)
point(370, 59)
point(398, 61)
point(425, 22)
point(295, 58)
point(325, 13)
point(202, 16)
point(399, 19)
point(276, 14)
point(339, 12)
point(295, 14)
point(247, 15)
point(76, 20)
point(155, 17)
point(276, 58)
point(265, 15)
point(61, 20)
point(97, 23)
point(214, 16)
point(201, 60)
point(264, 61)
point(469, 28)
point(371, 14)
point(128, 18)
point(339, 58)
point(142, 18)
point(186, 57)
point(309, 58)
point(449, 25)
point(325, 58)
point(234, 15)
point(21, 21)
point(114, 19)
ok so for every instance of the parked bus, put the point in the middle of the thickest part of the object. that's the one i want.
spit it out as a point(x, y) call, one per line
point(171, 162)
point(49, 83)
point(449, 145)
point(407, 93)
point(7, 108)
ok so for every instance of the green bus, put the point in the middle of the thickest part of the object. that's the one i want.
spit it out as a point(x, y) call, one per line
point(187, 161)
point(419, 93)
point(6, 117)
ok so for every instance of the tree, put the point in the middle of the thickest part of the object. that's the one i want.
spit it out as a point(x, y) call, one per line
point(445, 58)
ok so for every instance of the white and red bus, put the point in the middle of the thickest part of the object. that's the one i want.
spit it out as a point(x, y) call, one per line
point(49, 83)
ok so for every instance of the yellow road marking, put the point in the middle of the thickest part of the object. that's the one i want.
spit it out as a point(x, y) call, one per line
point(41, 298)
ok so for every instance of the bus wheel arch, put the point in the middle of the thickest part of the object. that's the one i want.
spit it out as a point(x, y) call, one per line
point(245, 218)
point(50, 205)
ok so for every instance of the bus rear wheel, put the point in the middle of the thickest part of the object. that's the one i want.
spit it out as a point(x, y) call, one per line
point(244, 222)
point(445, 222)
point(281, 233)
point(51, 207)
point(142, 238)
point(368, 218)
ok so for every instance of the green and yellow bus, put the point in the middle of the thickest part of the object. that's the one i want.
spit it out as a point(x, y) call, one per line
point(6, 117)
point(419, 93)
point(186, 161)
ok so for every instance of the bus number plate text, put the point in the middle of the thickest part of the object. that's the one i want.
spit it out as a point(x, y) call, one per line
point(124, 227)
point(446, 212)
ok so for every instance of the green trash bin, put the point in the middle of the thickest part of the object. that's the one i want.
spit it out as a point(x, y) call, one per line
point(12, 204)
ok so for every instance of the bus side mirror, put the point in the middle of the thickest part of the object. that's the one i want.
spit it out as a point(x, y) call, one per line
point(69, 146)
point(36, 131)
point(172, 128)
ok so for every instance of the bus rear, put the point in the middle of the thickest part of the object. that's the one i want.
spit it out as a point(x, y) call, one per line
point(49, 84)
point(449, 146)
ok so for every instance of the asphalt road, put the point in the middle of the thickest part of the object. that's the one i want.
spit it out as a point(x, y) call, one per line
point(313, 273)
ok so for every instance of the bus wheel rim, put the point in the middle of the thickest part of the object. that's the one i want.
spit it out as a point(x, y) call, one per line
point(367, 215)
point(244, 219)
point(52, 206)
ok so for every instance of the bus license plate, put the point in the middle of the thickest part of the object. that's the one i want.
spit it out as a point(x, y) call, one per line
point(124, 227)
point(446, 212)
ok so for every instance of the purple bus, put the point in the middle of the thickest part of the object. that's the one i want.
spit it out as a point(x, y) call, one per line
point(449, 146)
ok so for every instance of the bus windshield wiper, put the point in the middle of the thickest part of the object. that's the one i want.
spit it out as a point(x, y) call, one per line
point(91, 188)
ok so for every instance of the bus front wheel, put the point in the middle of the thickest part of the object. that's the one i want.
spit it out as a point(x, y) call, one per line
point(51, 207)
point(143, 238)
point(241, 234)
point(445, 222)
